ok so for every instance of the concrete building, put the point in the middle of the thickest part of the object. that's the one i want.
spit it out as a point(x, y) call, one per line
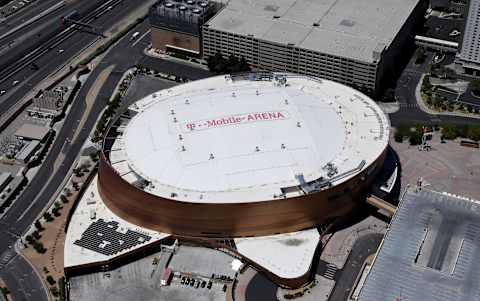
point(5, 178)
point(469, 56)
point(430, 251)
point(441, 34)
point(176, 25)
point(32, 132)
point(352, 42)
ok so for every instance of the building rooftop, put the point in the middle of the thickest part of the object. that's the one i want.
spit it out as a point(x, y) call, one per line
point(433, 246)
point(350, 29)
point(444, 29)
point(471, 39)
point(287, 255)
point(246, 140)
point(32, 131)
point(95, 234)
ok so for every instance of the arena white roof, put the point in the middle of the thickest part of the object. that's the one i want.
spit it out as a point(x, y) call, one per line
point(345, 28)
point(219, 140)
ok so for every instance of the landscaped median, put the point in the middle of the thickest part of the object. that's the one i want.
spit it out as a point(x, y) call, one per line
point(436, 103)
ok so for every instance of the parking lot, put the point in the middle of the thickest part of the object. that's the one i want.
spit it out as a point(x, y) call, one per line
point(193, 268)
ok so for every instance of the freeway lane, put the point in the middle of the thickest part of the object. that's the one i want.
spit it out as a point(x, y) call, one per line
point(29, 38)
point(50, 61)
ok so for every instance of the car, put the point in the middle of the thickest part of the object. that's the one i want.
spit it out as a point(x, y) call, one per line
point(60, 50)
point(15, 82)
point(2, 92)
point(187, 282)
point(209, 286)
point(198, 284)
point(204, 283)
point(183, 280)
point(193, 282)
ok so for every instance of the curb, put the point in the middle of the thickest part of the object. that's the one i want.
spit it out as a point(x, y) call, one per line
point(42, 281)
point(423, 107)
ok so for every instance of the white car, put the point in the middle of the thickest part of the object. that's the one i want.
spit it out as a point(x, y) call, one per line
point(2, 92)
point(15, 82)
point(60, 50)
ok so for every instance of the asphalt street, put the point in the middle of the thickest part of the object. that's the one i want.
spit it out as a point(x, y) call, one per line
point(345, 278)
point(409, 112)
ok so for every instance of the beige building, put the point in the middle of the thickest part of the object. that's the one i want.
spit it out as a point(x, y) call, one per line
point(352, 42)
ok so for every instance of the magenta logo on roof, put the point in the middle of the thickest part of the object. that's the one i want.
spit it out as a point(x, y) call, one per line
point(237, 119)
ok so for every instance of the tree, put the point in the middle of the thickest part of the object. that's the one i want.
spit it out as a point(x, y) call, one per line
point(64, 199)
point(217, 63)
point(233, 64)
point(388, 95)
point(244, 65)
point(47, 216)
point(449, 131)
point(419, 56)
point(415, 138)
point(38, 225)
point(56, 211)
point(29, 239)
point(475, 86)
point(398, 137)
point(38, 246)
point(50, 280)
point(36, 234)
point(474, 132)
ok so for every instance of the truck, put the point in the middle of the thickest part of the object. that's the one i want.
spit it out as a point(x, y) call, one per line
point(166, 277)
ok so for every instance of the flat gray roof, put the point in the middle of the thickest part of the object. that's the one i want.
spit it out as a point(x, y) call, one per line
point(430, 252)
point(347, 28)
point(32, 131)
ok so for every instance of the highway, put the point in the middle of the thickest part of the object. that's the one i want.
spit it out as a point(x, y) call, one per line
point(25, 285)
point(50, 56)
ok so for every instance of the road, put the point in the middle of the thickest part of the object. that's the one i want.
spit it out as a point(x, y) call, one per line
point(345, 278)
point(39, 191)
point(50, 61)
point(409, 112)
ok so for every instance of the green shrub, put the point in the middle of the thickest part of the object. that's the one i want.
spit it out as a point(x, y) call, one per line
point(50, 280)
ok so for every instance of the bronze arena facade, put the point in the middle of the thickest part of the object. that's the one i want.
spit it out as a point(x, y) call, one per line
point(243, 155)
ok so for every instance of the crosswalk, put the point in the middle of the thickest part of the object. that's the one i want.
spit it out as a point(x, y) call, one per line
point(408, 105)
point(7, 256)
point(330, 272)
